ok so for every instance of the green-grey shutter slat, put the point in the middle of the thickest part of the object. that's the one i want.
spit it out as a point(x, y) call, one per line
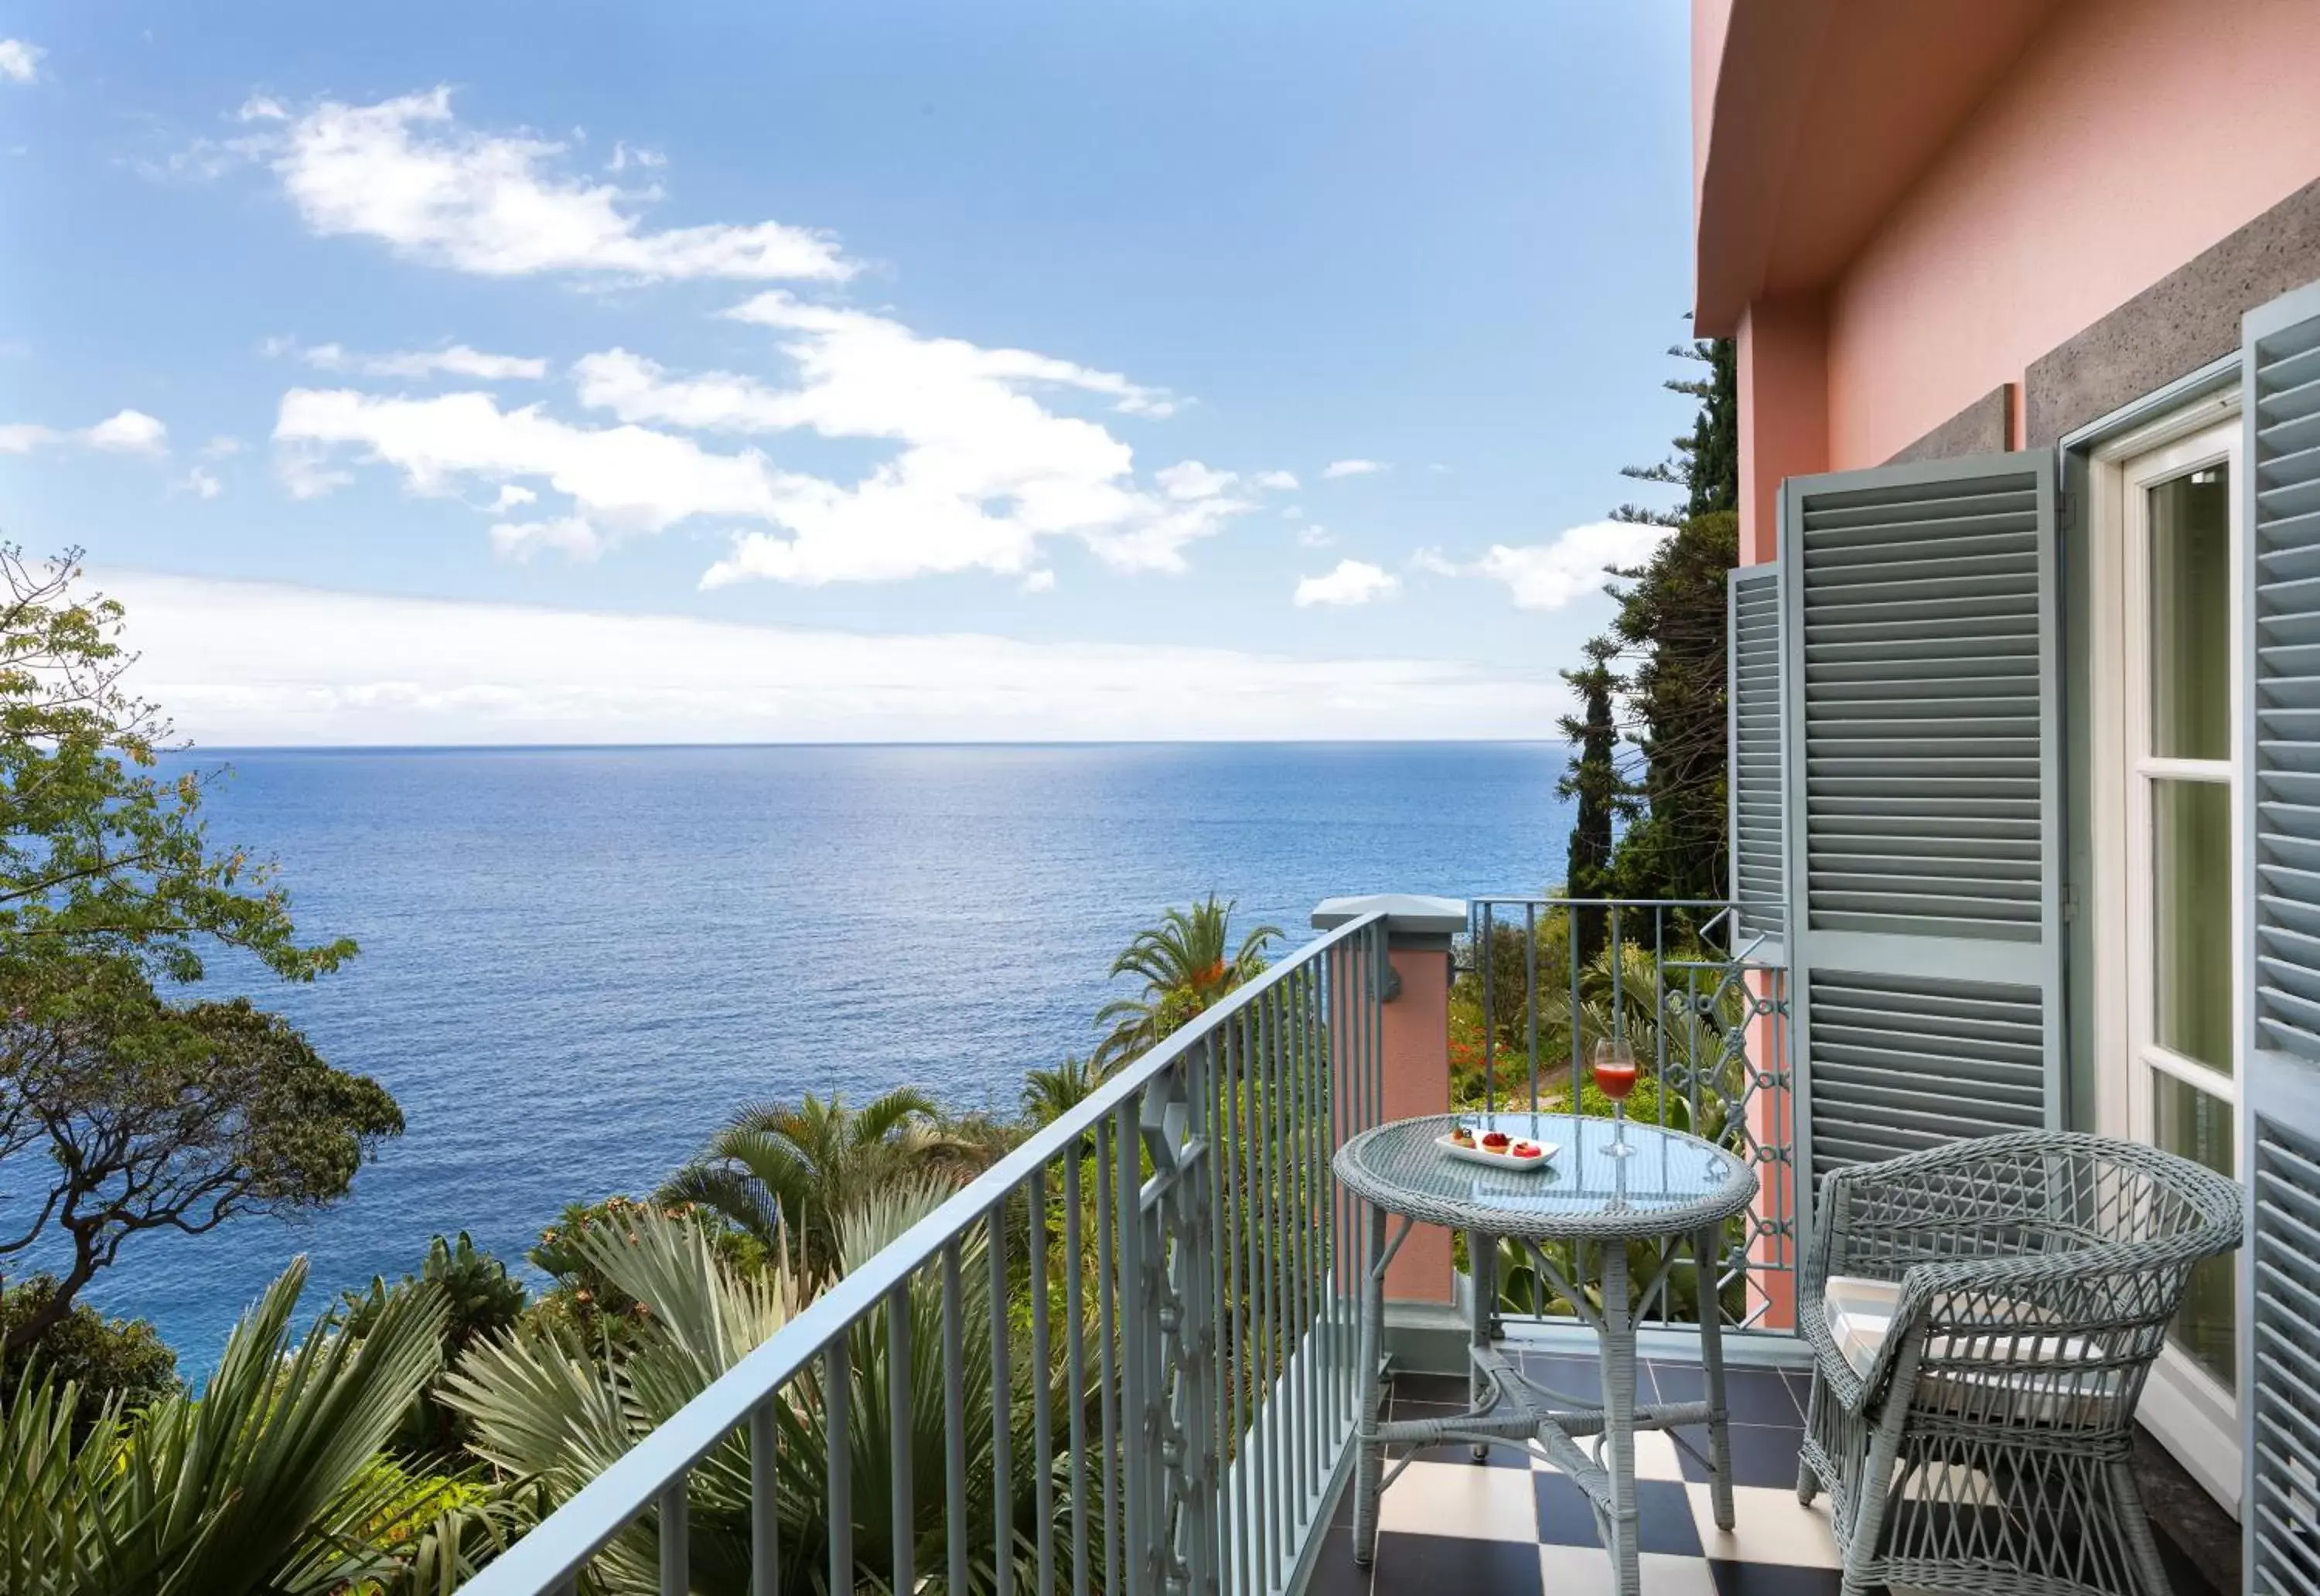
point(2280, 897)
point(1758, 758)
point(1917, 626)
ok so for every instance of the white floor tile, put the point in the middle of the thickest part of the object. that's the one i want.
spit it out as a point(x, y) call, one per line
point(1768, 1527)
point(1462, 1500)
point(1586, 1571)
point(1655, 1456)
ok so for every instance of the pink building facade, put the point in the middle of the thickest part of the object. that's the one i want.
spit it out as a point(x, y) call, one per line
point(2022, 296)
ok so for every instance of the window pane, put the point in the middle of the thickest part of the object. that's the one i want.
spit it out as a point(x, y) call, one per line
point(2191, 616)
point(2186, 1120)
point(2191, 934)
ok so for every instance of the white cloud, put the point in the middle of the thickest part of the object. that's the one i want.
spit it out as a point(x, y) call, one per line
point(1549, 576)
point(1351, 468)
point(512, 497)
point(257, 664)
point(1316, 536)
point(623, 157)
point(1285, 481)
point(1188, 481)
point(621, 479)
point(570, 536)
point(404, 171)
point(984, 471)
point(203, 484)
point(20, 62)
point(221, 445)
point(457, 360)
point(124, 432)
point(1354, 581)
point(1039, 582)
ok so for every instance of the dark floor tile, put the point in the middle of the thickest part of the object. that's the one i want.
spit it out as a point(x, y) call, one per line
point(1663, 1522)
point(1335, 1572)
point(1765, 1579)
point(1750, 1396)
point(1509, 1455)
point(1800, 1387)
point(1761, 1453)
point(1431, 1564)
point(1580, 1377)
point(1450, 1389)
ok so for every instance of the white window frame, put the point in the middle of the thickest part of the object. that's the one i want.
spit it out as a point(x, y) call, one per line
point(2194, 1416)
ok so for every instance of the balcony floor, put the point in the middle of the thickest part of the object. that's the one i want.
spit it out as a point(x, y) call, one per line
point(1513, 1529)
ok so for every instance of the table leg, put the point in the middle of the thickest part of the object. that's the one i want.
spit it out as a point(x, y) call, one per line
point(1620, 1421)
point(1482, 1273)
point(1369, 1462)
point(1706, 1248)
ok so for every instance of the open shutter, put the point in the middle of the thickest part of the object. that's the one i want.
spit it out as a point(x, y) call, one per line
point(1919, 608)
point(2280, 895)
point(1760, 882)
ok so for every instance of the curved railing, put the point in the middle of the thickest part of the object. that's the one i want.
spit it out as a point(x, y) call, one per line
point(1152, 1295)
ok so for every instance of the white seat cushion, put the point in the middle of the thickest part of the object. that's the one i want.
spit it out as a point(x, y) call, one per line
point(1859, 1312)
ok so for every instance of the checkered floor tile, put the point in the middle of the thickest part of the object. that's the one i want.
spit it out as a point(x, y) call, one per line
point(1512, 1526)
point(1508, 1526)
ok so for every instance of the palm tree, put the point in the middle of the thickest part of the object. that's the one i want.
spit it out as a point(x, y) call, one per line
point(543, 1411)
point(268, 1481)
point(1187, 963)
point(787, 1176)
point(1048, 1094)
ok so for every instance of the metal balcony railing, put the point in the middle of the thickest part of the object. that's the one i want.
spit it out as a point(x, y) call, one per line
point(1540, 979)
point(1145, 1313)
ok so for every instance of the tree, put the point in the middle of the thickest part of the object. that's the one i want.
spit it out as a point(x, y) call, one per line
point(141, 1115)
point(787, 1174)
point(1048, 1094)
point(107, 1360)
point(1594, 782)
point(1668, 637)
point(1670, 622)
point(97, 853)
point(1187, 962)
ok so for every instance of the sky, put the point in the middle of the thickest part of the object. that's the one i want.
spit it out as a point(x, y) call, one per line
point(506, 374)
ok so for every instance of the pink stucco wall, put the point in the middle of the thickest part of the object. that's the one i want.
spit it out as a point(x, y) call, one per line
point(2131, 136)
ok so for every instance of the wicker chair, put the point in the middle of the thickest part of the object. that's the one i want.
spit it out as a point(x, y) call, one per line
point(1982, 1317)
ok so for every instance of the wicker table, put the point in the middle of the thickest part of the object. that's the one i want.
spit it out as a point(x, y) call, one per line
point(1672, 1186)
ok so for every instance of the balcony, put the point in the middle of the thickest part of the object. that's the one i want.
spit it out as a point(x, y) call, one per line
point(1159, 1292)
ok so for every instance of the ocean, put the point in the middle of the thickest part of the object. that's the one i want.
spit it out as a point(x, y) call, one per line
point(577, 962)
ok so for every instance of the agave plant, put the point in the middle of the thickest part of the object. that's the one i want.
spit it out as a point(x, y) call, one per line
point(543, 1408)
point(264, 1484)
point(1187, 962)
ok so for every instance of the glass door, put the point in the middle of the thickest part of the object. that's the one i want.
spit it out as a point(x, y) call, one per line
point(2183, 1088)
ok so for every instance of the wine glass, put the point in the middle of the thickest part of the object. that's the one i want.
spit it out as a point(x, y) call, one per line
point(1615, 1076)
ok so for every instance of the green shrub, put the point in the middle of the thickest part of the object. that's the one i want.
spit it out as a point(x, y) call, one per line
point(103, 1357)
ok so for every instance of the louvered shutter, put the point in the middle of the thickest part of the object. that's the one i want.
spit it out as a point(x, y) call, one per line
point(1760, 883)
point(1919, 612)
point(2280, 409)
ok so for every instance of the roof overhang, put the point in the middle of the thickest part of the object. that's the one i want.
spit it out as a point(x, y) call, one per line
point(1821, 115)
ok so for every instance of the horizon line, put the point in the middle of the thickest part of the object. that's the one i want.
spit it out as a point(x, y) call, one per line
point(1089, 742)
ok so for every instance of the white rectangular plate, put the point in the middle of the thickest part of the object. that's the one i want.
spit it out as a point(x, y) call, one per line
point(1499, 1160)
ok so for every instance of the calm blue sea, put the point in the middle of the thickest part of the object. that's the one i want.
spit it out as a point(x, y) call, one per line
point(576, 962)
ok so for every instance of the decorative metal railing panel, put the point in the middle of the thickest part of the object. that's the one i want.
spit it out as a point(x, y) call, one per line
point(1142, 1321)
point(1706, 1021)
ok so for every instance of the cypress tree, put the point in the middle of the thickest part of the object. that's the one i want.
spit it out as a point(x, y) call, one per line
point(1595, 783)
